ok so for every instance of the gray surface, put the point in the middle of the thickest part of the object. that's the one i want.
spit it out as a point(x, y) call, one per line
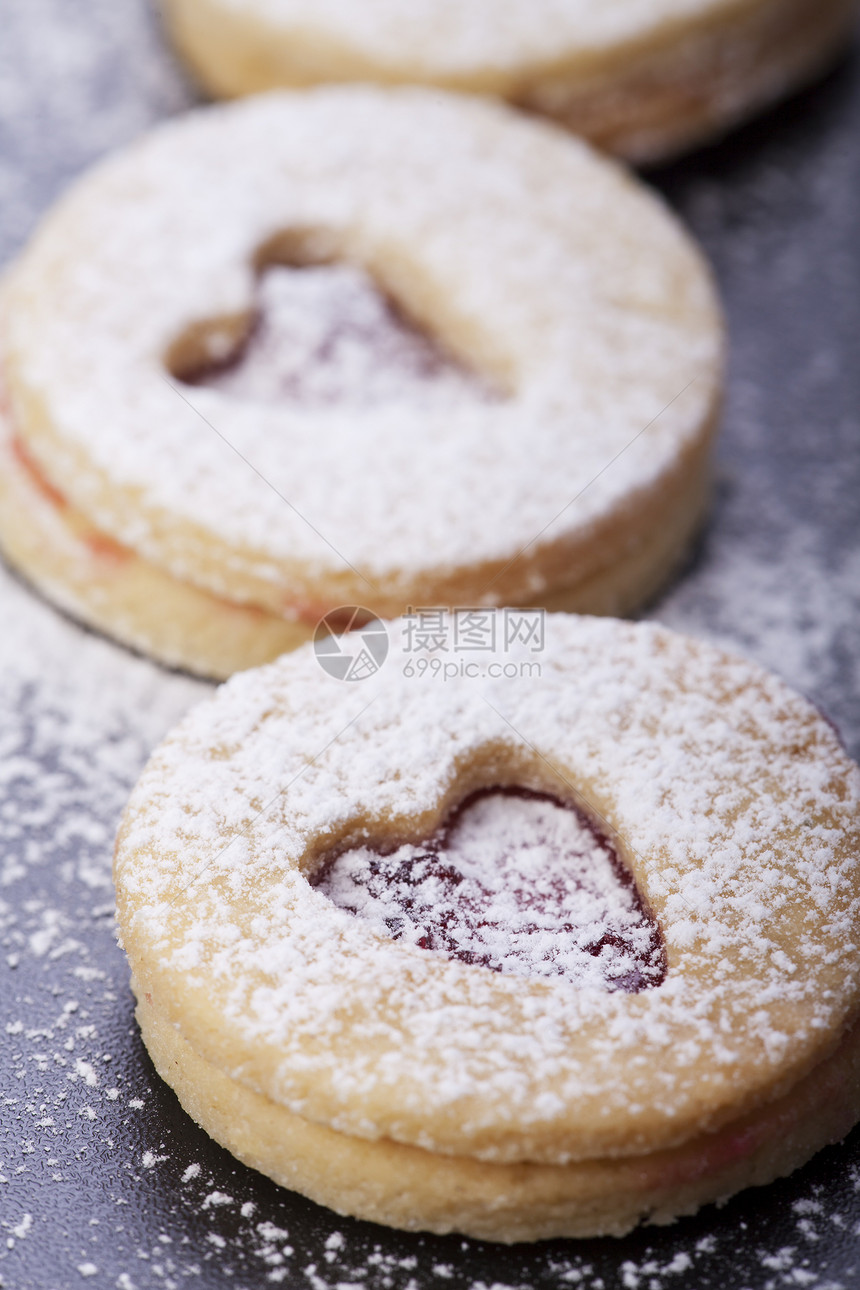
point(98, 1184)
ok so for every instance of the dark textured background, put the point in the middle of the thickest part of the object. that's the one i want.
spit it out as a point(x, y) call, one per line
point(103, 1180)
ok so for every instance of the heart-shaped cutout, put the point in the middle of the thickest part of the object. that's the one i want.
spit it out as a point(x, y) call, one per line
point(514, 880)
point(322, 333)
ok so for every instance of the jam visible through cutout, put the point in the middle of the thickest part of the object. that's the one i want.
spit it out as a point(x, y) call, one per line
point(323, 335)
point(516, 881)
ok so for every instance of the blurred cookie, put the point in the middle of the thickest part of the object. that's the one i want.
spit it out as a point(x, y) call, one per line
point(644, 80)
point(502, 368)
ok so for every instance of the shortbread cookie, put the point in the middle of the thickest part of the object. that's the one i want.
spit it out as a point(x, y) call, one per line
point(549, 444)
point(510, 1094)
point(644, 80)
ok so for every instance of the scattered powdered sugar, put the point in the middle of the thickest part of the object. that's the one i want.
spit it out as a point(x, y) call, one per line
point(792, 602)
point(72, 89)
point(516, 882)
point(78, 718)
point(324, 334)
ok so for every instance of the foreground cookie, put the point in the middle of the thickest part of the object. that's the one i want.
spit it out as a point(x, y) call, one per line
point(568, 1057)
point(641, 80)
point(500, 367)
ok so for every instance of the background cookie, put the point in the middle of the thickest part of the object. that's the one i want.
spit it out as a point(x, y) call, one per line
point(642, 80)
point(557, 453)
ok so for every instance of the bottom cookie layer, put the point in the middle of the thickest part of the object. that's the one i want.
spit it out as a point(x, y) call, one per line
point(406, 1187)
point(111, 588)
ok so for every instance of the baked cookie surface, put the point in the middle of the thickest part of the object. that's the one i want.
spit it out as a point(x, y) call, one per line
point(733, 808)
point(639, 78)
point(562, 460)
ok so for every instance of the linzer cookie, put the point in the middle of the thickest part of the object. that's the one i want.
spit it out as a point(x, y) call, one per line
point(643, 78)
point(351, 347)
point(517, 957)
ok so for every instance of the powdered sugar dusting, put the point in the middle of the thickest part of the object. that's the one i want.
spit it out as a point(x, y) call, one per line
point(461, 37)
point(516, 882)
point(324, 334)
point(662, 737)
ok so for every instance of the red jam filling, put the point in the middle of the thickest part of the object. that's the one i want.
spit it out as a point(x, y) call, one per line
point(515, 881)
point(101, 546)
point(24, 459)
